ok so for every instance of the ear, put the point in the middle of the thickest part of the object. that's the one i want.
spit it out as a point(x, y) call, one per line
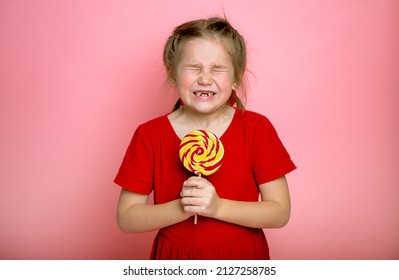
point(170, 75)
point(234, 86)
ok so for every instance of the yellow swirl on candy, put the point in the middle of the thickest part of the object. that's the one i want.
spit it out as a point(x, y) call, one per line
point(201, 152)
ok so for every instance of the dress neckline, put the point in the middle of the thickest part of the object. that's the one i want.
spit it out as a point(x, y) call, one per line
point(221, 136)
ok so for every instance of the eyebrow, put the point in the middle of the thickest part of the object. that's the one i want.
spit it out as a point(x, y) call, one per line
point(217, 66)
point(220, 66)
point(191, 65)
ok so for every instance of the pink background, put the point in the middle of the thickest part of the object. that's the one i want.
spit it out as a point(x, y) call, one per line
point(77, 77)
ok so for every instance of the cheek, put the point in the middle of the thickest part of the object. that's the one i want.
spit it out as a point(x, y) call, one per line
point(224, 80)
point(186, 80)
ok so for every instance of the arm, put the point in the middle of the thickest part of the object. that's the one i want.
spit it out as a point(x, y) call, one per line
point(200, 197)
point(135, 215)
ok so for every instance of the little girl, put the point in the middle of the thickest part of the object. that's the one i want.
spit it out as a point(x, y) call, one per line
point(205, 61)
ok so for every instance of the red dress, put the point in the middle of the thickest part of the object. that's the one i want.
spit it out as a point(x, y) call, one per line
point(253, 155)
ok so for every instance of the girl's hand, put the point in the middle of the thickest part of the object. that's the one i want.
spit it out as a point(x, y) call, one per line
point(199, 197)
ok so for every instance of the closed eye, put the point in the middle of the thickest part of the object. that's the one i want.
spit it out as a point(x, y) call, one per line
point(220, 69)
point(192, 68)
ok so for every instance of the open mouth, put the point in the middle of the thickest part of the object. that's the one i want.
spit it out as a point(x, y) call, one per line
point(204, 93)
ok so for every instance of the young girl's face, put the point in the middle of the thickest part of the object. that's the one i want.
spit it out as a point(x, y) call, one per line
point(204, 75)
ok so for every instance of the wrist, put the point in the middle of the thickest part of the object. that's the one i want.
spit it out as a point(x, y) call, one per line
point(184, 213)
point(219, 209)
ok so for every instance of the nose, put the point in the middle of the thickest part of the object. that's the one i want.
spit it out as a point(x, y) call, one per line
point(205, 78)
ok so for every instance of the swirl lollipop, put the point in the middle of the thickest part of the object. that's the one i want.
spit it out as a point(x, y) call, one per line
point(201, 152)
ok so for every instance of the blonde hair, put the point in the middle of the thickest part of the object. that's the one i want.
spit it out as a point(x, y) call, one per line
point(214, 27)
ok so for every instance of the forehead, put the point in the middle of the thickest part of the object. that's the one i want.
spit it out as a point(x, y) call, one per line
point(204, 50)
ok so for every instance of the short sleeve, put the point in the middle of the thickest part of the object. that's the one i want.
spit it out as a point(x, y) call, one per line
point(270, 160)
point(136, 171)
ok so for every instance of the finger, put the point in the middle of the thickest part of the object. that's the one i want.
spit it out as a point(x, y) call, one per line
point(191, 201)
point(198, 182)
point(193, 209)
point(188, 191)
point(196, 179)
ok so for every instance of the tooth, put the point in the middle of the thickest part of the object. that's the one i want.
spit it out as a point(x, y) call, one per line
point(203, 94)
